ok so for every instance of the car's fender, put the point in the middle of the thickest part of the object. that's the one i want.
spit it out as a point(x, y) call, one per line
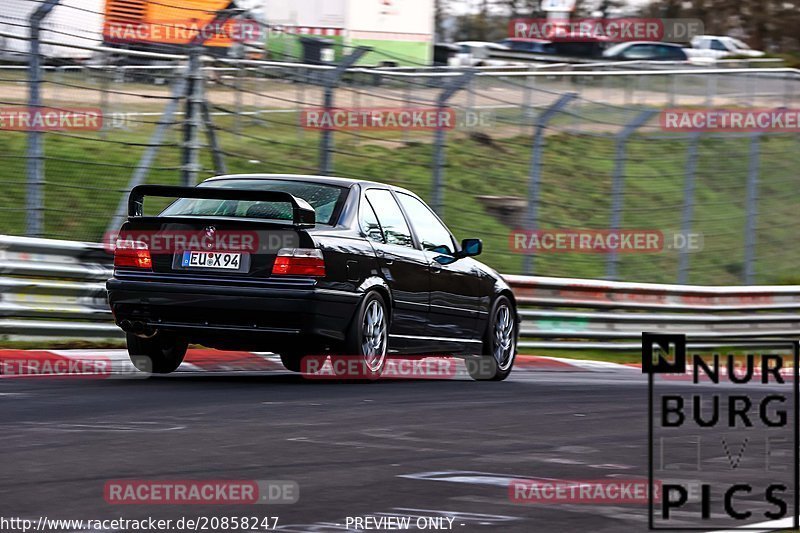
point(377, 283)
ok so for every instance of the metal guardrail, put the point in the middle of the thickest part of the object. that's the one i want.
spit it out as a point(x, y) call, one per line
point(51, 288)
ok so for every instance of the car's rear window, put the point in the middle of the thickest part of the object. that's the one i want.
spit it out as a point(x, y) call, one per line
point(325, 199)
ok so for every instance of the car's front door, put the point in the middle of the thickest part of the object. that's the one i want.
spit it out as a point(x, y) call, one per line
point(405, 269)
point(455, 288)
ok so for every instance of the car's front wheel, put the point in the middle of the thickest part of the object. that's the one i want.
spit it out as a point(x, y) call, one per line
point(160, 354)
point(367, 341)
point(499, 344)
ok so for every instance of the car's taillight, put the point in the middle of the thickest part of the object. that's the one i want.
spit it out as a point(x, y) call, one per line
point(299, 262)
point(132, 254)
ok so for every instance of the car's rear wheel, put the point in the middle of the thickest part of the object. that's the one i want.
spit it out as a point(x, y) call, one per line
point(160, 354)
point(367, 341)
point(499, 344)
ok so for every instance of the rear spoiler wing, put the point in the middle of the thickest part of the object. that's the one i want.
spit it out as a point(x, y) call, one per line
point(303, 215)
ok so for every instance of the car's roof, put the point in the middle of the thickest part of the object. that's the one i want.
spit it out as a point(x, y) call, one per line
point(479, 43)
point(525, 40)
point(326, 180)
point(659, 43)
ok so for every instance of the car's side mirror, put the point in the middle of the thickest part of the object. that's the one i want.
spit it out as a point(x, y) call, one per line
point(471, 247)
point(445, 256)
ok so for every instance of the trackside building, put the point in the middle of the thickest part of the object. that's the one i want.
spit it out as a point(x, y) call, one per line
point(399, 31)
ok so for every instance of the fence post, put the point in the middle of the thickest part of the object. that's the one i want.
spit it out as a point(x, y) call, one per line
point(407, 105)
point(331, 79)
point(711, 89)
point(105, 105)
point(237, 94)
point(35, 156)
point(535, 173)
point(752, 209)
point(688, 206)
point(154, 143)
point(190, 160)
point(300, 96)
point(673, 84)
point(449, 89)
point(217, 154)
point(527, 109)
point(618, 183)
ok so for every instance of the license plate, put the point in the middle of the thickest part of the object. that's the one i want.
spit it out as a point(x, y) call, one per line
point(225, 260)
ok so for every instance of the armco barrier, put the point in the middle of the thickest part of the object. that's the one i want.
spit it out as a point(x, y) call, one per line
point(51, 288)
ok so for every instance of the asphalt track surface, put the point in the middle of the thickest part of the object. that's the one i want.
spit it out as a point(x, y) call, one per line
point(417, 448)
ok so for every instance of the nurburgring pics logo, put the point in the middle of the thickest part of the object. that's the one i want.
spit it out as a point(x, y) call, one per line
point(727, 440)
point(609, 30)
point(730, 120)
point(51, 119)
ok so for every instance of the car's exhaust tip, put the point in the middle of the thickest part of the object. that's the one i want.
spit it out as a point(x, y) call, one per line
point(137, 327)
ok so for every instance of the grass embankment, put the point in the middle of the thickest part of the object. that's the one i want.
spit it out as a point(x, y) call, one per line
point(87, 173)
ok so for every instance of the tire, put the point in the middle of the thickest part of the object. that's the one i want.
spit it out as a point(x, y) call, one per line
point(366, 343)
point(160, 354)
point(307, 364)
point(499, 344)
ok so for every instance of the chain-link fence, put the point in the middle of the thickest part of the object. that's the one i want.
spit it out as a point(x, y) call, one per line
point(534, 149)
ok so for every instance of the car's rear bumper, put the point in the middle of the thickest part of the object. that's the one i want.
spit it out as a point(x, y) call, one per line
point(291, 310)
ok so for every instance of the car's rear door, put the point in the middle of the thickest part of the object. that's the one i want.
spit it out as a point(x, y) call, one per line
point(403, 266)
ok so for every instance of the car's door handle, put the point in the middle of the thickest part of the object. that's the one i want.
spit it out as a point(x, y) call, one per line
point(387, 258)
point(436, 267)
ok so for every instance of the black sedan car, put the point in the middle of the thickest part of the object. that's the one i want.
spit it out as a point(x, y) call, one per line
point(305, 266)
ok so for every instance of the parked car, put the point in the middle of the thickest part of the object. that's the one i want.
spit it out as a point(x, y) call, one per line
point(353, 269)
point(532, 46)
point(583, 48)
point(477, 54)
point(645, 51)
point(712, 47)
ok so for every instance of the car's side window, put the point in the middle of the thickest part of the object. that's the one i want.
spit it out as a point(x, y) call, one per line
point(369, 222)
point(717, 45)
point(637, 51)
point(395, 229)
point(429, 230)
